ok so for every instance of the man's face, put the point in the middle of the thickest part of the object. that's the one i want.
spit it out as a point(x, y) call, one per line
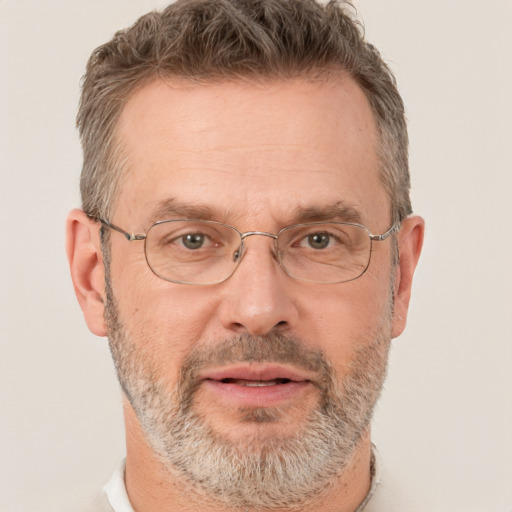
point(261, 362)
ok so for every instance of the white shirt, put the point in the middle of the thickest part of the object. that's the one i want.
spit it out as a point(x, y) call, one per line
point(116, 490)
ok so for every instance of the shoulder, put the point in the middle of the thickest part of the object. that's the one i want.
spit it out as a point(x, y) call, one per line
point(390, 496)
point(99, 503)
point(387, 495)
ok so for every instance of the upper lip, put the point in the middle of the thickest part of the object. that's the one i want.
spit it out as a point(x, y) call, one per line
point(257, 372)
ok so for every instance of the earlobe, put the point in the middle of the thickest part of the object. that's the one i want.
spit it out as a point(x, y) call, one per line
point(87, 270)
point(410, 242)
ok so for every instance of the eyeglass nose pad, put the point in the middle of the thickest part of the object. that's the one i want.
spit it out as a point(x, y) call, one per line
point(237, 255)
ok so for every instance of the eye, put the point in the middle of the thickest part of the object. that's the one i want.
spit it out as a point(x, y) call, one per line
point(194, 241)
point(317, 240)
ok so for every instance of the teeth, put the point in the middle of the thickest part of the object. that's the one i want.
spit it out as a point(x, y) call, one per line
point(252, 383)
point(259, 383)
point(255, 383)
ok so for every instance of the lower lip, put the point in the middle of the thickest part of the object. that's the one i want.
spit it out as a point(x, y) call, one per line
point(257, 396)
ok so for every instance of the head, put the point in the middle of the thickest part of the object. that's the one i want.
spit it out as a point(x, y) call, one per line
point(259, 115)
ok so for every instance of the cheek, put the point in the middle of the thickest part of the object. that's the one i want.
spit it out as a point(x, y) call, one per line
point(162, 319)
point(350, 317)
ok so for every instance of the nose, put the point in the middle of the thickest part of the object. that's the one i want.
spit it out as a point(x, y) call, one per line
point(258, 297)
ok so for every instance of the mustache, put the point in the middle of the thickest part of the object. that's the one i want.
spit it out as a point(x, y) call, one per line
point(273, 348)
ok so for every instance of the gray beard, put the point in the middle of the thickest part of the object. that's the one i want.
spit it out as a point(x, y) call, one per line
point(287, 471)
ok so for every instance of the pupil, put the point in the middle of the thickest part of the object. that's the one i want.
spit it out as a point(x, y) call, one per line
point(318, 240)
point(193, 241)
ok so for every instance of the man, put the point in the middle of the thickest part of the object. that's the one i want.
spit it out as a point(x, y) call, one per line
point(242, 162)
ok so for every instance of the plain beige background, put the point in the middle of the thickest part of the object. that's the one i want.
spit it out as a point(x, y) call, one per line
point(444, 424)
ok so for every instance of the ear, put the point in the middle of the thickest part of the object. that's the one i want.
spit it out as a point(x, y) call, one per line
point(87, 271)
point(410, 241)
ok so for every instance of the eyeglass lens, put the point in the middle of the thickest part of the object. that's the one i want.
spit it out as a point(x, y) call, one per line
point(204, 252)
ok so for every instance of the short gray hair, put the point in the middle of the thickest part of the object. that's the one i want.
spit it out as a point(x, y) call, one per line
point(215, 40)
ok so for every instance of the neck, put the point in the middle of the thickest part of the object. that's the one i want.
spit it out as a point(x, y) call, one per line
point(152, 487)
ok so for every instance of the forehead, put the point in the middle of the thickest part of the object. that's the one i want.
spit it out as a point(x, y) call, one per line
point(239, 148)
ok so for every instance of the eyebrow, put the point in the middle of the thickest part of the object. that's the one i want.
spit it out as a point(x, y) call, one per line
point(341, 211)
point(170, 208)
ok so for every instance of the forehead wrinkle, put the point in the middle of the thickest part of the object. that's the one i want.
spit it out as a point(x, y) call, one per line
point(234, 147)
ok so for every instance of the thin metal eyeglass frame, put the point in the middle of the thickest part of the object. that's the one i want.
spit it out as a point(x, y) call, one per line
point(134, 236)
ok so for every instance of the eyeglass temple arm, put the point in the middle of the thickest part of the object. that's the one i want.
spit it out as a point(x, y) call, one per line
point(393, 229)
point(129, 236)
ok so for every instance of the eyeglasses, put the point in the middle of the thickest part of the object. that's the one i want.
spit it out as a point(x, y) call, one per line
point(204, 252)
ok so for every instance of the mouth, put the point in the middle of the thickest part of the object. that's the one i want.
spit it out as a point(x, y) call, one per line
point(257, 386)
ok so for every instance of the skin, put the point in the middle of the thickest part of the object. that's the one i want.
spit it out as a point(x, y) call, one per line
point(252, 154)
